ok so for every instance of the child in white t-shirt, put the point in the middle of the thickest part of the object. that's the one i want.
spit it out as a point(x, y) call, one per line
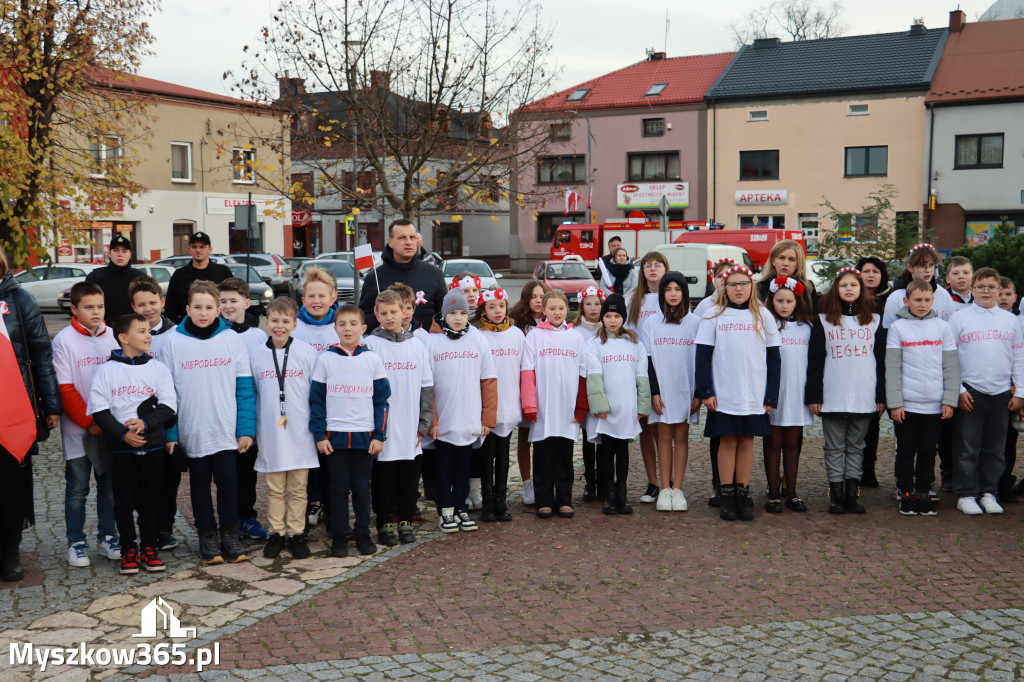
point(465, 385)
point(506, 342)
point(525, 314)
point(78, 351)
point(586, 324)
point(737, 375)
point(554, 403)
point(618, 394)
point(216, 417)
point(669, 339)
point(132, 399)
point(283, 371)
point(921, 263)
point(410, 412)
point(786, 301)
point(470, 285)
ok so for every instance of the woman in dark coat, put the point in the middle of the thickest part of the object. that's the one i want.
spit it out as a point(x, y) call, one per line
point(875, 275)
point(27, 331)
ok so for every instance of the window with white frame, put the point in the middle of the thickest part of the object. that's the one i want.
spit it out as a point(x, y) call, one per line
point(858, 110)
point(243, 165)
point(181, 162)
point(105, 152)
point(757, 115)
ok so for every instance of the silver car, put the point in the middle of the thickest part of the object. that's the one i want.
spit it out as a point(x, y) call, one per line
point(481, 269)
point(45, 282)
point(272, 268)
point(342, 271)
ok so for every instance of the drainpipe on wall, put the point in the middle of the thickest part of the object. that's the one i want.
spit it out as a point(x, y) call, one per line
point(931, 147)
point(714, 164)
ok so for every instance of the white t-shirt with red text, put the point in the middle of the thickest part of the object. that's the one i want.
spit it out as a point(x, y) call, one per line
point(620, 362)
point(739, 364)
point(672, 349)
point(76, 357)
point(458, 366)
point(408, 370)
point(291, 446)
point(349, 382)
point(558, 360)
point(795, 339)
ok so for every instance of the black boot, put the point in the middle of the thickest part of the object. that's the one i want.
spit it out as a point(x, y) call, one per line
point(868, 478)
point(487, 510)
point(621, 505)
point(835, 498)
point(727, 503)
point(609, 501)
point(744, 505)
point(231, 545)
point(10, 559)
point(501, 512)
point(589, 476)
point(851, 503)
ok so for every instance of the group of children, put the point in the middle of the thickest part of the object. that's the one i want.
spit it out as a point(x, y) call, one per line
point(327, 414)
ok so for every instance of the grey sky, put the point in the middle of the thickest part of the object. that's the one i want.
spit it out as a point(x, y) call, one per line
point(197, 40)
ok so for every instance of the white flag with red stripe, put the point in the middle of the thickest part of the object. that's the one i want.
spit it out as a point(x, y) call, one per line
point(17, 420)
point(572, 200)
point(364, 256)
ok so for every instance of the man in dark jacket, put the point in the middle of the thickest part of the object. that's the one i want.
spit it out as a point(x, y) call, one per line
point(199, 268)
point(402, 265)
point(114, 279)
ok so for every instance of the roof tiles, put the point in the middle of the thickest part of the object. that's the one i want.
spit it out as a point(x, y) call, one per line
point(983, 61)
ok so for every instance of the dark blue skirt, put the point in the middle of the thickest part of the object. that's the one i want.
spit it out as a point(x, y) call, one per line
point(720, 424)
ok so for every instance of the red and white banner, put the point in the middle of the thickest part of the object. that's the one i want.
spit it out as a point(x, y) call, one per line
point(17, 420)
point(364, 256)
point(572, 200)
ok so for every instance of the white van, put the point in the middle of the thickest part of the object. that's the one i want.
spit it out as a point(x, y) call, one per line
point(695, 262)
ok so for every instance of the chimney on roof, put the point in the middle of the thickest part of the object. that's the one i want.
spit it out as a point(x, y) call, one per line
point(918, 28)
point(656, 56)
point(957, 19)
point(290, 87)
point(761, 43)
point(380, 80)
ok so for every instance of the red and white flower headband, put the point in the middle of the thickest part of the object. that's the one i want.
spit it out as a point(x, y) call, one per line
point(468, 282)
point(589, 291)
point(722, 261)
point(843, 271)
point(492, 295)
point(920, 246)
point(782, 282)
point(738, 269)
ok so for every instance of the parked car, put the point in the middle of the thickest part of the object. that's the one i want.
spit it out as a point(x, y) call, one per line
point(272, 268)
point(296, 261)
point(349, 256)
point(161, 273)
point(181, 261)
point(694, 261)
point(260, 293)
point(45, 282)
point(571, 275)
point(478, 267)
point(341, 269)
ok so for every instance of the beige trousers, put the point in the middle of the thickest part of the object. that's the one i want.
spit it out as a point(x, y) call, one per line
point(295, 482)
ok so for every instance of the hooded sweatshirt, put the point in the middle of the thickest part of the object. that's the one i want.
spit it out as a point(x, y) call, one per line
point(411, 405)
point(133, 388)
point(916, 348)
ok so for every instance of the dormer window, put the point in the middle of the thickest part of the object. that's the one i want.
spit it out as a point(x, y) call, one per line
point(578, 94)
point(655, 89)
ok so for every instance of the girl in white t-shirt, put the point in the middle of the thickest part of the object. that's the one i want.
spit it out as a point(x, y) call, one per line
point(619, 393)
point(642, 303)
point(554, 403)
point(470, 285)
point(506, 342)
point(586, 324)
point(525, 314)
point(669, 339)
point(846, 382)
point(782, 446)
point(737, 375)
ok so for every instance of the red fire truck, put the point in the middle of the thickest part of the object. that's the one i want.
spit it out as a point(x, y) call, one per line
point(638, 237)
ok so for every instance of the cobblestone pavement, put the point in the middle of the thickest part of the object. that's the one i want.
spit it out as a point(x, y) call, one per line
point(649, 596)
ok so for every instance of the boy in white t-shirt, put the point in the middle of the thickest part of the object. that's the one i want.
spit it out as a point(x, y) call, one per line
point(283, 371)
point(234, 308)
point(216, 417)
point(959, 272)
point(410, 412)
point(348, 415)
point(147, 299)
point(78, 351)
point(132, 399)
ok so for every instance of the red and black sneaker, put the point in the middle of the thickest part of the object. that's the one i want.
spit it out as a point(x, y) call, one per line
point(151, 561)
point(129, 561)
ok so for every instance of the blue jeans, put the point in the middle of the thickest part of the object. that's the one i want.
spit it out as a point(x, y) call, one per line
point(76, 490)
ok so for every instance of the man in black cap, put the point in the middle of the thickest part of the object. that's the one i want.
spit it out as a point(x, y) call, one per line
point(115, 277)
point(199, 268)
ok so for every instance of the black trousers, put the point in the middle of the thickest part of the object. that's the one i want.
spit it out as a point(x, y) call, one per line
point(916, 441)
point(1007, 480)
point(394, 488)
point(428, 467)
point(946, 448)
point(246, 471)
point(15, 494)
point(589, 460)
point(136, 485)
point(979, 441)
point(494, 455)
point(169, 484)
point(871, 443)
point(612, 458)
point(217, 468)
point(476, 463)
point(552, 472)
point(451, 475)
point(318, 485)
point(350, 472)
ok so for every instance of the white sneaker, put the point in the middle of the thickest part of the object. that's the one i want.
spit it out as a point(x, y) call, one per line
point(110, 547)
point(465, 523)
point(664, 500)
point(990, 504)
point(77, 556)
point(528, 498)
point(446, 521)
point(969, 506)
point(679, 502)
point(475, 501)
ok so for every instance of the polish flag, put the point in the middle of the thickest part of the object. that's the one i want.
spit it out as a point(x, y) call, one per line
point(590, 197)
point(572, 200)
point(364, 256)
point(17, 420)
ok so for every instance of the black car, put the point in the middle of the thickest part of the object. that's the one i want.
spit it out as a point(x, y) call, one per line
point(260, 293)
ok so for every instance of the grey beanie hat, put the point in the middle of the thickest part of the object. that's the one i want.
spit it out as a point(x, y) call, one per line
point(454, 300)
